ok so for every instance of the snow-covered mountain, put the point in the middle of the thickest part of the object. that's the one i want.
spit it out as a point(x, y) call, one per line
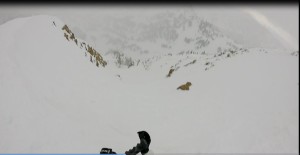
point(54, 98)
point(134, 40)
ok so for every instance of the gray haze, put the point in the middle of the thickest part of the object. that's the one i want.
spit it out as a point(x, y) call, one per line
point(255, 26)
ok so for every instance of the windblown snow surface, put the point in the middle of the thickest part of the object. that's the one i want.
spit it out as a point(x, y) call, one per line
point(54, 100)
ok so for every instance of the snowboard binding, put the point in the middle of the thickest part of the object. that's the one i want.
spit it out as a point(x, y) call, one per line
point(107, 151)
point(142, 147)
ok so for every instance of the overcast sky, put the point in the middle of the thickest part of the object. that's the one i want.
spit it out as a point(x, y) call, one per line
point(271, 26)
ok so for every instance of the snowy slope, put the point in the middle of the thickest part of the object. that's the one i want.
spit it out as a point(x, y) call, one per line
point(45, 81)
point(53, 100)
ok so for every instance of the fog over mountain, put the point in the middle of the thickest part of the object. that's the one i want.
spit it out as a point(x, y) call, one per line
point(199, 79)
point(279, 28)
